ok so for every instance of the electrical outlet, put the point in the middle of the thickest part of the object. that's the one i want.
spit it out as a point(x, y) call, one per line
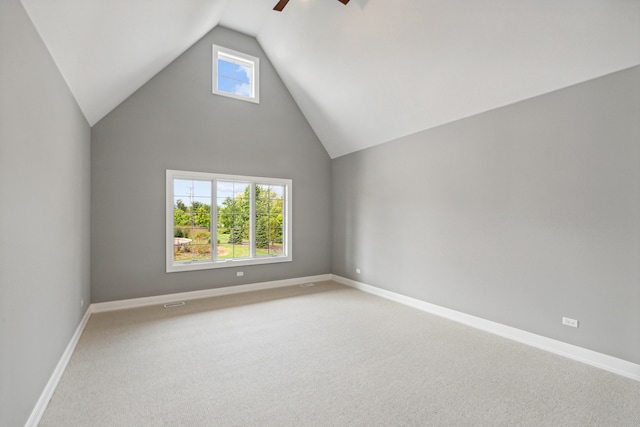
point(240, 273)
point(570, 322)
point(357, 270)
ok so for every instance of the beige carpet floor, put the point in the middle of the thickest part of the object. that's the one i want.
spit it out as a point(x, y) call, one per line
point(326, 355)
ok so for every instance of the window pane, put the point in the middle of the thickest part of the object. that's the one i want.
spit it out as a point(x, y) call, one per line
point(179, 202)
point(234, 71)
point(182, 252)
point(196, 202)
point(275, 206)
point(269, 224)
point(238, 234)
point(202, 188)
point(276, 191)
point(226, 221)
point(202, 222)
point(191, 188)
point(234, 86)
point(240, 189)
point(269, 231)
point(225, 68)
point(191, 219)
point(192, 252)
point(181, 187)
point(275, 248)
point(262, 206)
point(237, 243)
point(243, 73)
point(233, 220)
point(201, 252)
point(181, 235)
point(242, 250)
point(262, 191)
point(181, 215)
point(224, 189)
point(262, 232)
point(225, 249)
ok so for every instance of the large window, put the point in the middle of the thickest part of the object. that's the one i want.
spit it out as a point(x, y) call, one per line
point(218, 220)
point(235, 74)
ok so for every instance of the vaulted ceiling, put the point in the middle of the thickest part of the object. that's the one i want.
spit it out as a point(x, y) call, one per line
point(363, 74)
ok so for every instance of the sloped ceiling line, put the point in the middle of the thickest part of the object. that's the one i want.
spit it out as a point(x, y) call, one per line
point(364, 74)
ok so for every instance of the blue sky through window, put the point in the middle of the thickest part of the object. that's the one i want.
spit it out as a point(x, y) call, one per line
point(234, 78)
point(189, 191)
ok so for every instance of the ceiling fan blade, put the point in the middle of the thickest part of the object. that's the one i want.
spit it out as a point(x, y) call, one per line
point(344, 1)
point(282, 3)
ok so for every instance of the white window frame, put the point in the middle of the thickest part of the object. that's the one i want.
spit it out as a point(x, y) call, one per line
point(172, 266)
point(238, 58)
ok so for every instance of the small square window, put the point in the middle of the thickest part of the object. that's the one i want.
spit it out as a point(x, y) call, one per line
point(235, 74)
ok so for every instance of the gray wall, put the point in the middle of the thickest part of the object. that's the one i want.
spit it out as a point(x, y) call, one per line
point(174, 122)
point(44, 215)
point(520, 215)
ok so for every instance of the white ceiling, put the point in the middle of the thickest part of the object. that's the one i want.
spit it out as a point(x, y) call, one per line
point(363, 74)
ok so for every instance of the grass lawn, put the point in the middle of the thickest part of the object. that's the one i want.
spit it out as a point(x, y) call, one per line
point(226, 250)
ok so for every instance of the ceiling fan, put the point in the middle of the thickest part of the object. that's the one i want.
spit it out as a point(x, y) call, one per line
point(282, 3)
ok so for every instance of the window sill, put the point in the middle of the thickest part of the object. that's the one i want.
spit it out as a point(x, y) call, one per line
point(207, 265)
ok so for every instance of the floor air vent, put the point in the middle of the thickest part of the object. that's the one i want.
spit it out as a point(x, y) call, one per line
point(174, 304)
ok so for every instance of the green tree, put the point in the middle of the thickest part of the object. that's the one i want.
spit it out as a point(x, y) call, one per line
point(186, 218)
point(181, 218)
point(202, 214)
point(268, 217)
point(233, 217)
point(262, 232)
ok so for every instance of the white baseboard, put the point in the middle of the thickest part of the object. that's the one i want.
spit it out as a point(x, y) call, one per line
point(590, 357)
point(603, 361)
point(206, 293)
point(50, 388)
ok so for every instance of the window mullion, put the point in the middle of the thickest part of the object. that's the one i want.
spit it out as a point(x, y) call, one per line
point(214, 220)
point(284, 225)
point(252, 221)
